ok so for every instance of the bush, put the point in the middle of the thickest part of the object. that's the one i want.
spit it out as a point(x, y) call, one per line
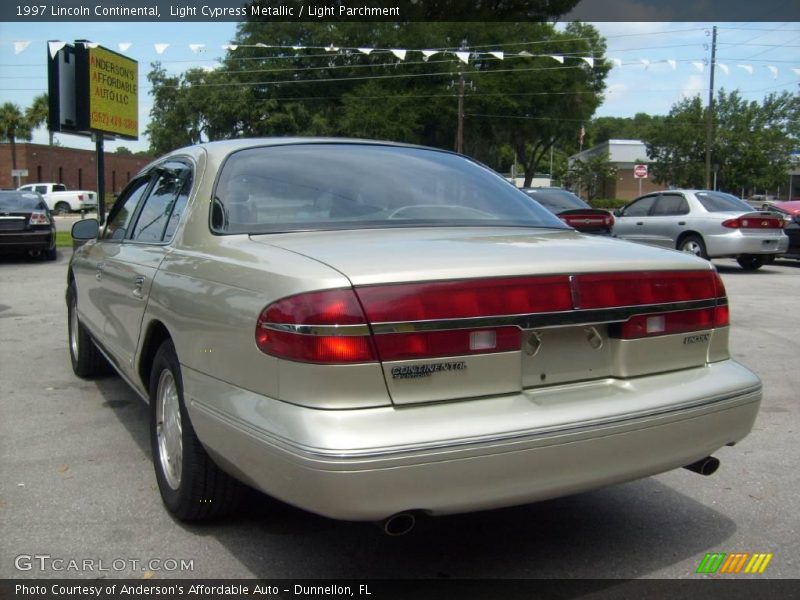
point(609, 203)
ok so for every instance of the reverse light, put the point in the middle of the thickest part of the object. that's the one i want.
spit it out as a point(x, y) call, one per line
point(685, 321)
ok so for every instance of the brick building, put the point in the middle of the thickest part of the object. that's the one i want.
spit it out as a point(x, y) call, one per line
point(73, 167)
point(622, 154)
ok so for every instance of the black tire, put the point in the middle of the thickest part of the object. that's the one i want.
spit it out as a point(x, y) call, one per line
point(51, 254)
point(61, 208)
point(86, 359)
point(192, 487)
point(693, 244)
point(750, 262)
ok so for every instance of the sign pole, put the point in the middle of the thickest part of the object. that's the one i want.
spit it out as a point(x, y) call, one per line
point(101, 177)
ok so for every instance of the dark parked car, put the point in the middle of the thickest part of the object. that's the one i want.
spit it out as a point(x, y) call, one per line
point(572, 210)
point(26, 224)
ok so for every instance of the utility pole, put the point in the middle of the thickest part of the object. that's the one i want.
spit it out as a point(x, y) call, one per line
point(460, 129)
point(710, 115)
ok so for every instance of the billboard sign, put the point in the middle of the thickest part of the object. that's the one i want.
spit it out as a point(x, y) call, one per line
point(93, 90)
point(113, 93)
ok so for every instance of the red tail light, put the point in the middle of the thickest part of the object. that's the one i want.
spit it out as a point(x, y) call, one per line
point(415, 321)
point(588, 220)
point(39, 218)
point(754, 222)
point(464, 299)
point(332, 309)
point(608, 290)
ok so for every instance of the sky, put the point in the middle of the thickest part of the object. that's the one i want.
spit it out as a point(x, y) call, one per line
point(656, 63)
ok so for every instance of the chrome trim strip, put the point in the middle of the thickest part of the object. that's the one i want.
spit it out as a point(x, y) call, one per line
point(730, 400)
point(326, 330)
point(588, 317)
point(545, 320)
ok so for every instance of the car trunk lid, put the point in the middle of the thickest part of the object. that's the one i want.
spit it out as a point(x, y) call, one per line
point(462, 313)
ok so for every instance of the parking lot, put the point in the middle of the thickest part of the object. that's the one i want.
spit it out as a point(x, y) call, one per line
point(78, 483)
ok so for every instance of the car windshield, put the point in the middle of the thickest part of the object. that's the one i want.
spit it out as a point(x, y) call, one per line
point(319, 186)
point(557, 200)
point(11, 201)
point(721, 202)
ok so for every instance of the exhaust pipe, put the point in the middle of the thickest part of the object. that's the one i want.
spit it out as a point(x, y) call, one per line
point(34, 253)
point(399, 524)
point(704, 466)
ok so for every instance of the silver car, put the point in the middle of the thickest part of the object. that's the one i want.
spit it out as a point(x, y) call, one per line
point(704, 223)
point(369, 330)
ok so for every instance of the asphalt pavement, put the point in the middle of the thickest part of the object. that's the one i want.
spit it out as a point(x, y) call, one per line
point(77, 482)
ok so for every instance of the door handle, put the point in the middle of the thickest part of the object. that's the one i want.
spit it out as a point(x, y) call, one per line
point(681, 222)
point(640, 222)
point(99, 274)
point(138, 283)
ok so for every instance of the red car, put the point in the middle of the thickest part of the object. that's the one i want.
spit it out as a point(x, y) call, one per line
point(790, 211)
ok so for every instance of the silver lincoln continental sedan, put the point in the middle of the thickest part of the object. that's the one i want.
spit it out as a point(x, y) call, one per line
point(370, 330)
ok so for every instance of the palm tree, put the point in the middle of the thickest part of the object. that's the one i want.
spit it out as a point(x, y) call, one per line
point(13, 126)
point(37, 113)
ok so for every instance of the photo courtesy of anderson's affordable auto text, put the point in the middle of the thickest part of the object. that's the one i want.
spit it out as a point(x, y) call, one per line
point(388, 299)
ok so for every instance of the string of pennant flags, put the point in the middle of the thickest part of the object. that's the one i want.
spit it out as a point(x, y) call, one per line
point(463, 55)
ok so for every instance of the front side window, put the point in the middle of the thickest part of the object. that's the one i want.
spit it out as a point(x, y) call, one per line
point(156, 218)
point(120, 218)
point(355, 186)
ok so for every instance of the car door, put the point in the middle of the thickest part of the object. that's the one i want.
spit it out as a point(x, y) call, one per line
point(130, 258)
point(89, 263)
point(668, 219)
point(633, 221)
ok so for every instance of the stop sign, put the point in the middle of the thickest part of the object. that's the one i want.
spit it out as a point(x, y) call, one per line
point(640, 171)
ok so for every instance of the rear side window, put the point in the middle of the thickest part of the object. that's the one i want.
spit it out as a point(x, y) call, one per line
point(639, 208)
point(671, 204)
point(58, 188)
point(721, 202)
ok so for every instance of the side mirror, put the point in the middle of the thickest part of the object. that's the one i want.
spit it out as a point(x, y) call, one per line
point(85, 230)
point(617, 212)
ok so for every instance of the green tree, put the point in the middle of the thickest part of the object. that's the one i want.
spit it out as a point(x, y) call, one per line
point(13, 126)
point(37, 114)
point(123, 151)
point(751, 145)
point(591, 175)
point(285, 91)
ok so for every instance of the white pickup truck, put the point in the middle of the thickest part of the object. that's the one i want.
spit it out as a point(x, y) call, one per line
point(60, 200)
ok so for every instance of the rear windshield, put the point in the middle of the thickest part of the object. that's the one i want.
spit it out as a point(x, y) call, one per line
point(357, 186)
point(721, 202)
point(557, 200)
point(11, 201)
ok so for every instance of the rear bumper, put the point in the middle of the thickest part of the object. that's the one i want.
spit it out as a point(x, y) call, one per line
point(27, 240)
point(737, 243)
point(457, 457)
